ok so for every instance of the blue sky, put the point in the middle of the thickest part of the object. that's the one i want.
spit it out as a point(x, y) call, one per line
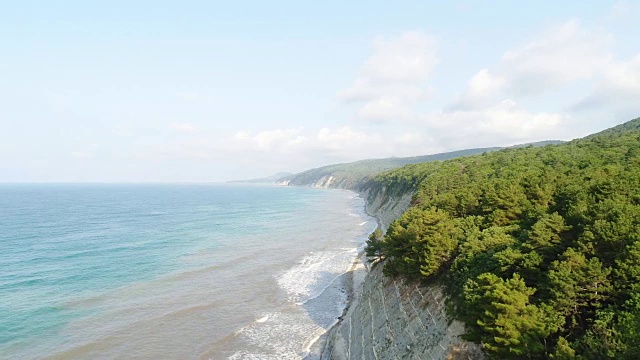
point(210, 91)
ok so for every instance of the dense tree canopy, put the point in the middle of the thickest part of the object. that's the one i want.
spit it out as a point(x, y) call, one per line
point(539, 246)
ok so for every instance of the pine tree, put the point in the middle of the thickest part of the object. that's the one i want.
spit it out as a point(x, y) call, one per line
point(511, 326)
point(578, 286)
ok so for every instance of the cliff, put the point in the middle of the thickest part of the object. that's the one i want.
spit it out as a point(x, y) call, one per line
point(393, 319)
point(385, 207)
point(472, 222)
point(390, 318)
point(518, 238)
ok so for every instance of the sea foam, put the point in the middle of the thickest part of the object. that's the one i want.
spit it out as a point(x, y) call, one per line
point(175, 271)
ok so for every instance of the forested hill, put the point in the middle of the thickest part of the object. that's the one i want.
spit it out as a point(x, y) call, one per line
point(353, 175)
point(539, 247)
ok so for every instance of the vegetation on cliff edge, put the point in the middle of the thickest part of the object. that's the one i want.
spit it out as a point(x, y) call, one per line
point(539, 246)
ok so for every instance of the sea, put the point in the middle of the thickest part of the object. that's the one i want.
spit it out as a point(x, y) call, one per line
point(173, 271)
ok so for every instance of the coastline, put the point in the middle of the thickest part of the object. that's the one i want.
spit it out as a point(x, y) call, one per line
point(322, 347)
point(385, 316)
point(384, 210)
point(319, 346)
point(356, 278)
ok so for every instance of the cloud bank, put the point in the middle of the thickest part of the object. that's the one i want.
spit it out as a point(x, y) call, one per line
point(540, 89)
point(393, 77)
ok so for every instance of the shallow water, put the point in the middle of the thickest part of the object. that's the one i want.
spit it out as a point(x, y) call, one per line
point(173, 271)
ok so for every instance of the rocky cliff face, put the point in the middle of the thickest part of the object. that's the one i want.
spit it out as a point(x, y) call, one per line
point(326, 182)
point(384, 207)
point(392, 319)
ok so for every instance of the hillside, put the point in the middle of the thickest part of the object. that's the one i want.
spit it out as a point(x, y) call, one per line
point(355, 174)
point(538, 247)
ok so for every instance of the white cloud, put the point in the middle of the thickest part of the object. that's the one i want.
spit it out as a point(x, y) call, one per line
point(565, 53)
point(241, 135)
point(485, 83)
point(623, 10)
point(480, 89)
point(415, 139)
point(620, 85)
point(278, 140)
point(364, 90)
point(502, 124)
point(298, 148)
point(394, 77)
point(410, 57)
point(182, 127)
point(623, 79)
point(296, 141)
point(385, 107)
point(393, 84)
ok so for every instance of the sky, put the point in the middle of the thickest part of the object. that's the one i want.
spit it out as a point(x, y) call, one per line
point(207, 91)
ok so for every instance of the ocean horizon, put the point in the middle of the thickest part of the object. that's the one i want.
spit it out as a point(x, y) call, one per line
point(173, 270)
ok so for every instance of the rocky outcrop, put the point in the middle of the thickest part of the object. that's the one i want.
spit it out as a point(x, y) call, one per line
point(324, 182)
point(392, 319)
point(384, 207)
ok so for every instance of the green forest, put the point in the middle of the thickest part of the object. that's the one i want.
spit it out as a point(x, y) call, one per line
point(356, 175)
point(538, 247)
point(353, 175)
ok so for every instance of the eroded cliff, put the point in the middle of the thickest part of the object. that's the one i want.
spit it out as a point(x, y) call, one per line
point(392, 319)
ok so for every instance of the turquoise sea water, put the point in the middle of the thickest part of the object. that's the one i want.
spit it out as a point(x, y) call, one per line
point(172, 271)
